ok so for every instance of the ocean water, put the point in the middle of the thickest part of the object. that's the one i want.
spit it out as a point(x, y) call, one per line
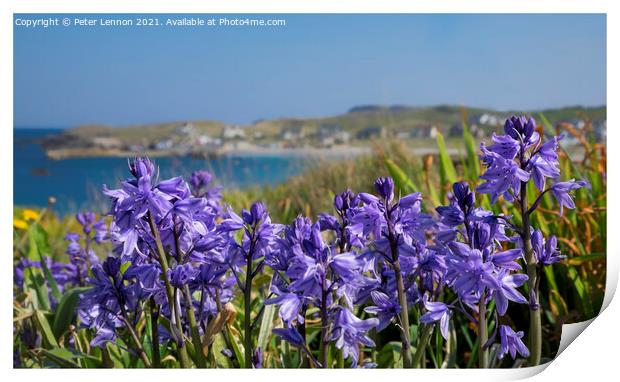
point(76, 183)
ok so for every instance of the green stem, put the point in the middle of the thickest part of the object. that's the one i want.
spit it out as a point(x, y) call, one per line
point(163, 262)
point(404, 316)
point(323, 356)
point(483, 333)
point(106, 359)
point(136, 339)
point(421, 348)
point(340, 358)
point(535, 333)
point(247, 294)
point(155, 333)
point(200, 357)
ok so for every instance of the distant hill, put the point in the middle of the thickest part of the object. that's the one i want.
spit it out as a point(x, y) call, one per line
point(357, 126)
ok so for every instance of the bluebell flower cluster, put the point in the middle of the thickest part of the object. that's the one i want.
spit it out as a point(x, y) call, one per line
point(179, 254)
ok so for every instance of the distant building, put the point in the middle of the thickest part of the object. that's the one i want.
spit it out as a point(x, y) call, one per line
point(600, 130)
point(164, 145)
point(487, 119)
point(186, 129)
point(331, 134)
point(205, 140)
point(424, 131)
point(292, 133)
point(457, 130)
point(233, 132)
point(106, 142)
point(372, 132)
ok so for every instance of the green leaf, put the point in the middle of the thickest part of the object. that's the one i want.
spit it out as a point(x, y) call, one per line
point(266, 325)
point(581, 291)
point(403, 183)
point(216, 349)
point(236, 347)
point(35, 282)
point(473, 164)
point(545, 121)
point(451, 348)
point(390, 355)
point(66, 310)
point(50, 278)
point(446, 167)
point(61, 357)
point(44, 326)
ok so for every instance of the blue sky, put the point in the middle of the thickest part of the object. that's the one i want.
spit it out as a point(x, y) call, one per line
point(317, 65)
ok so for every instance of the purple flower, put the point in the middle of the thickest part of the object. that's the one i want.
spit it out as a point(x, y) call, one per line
point(505, 145)
point(182, 275)
point(510, 342)
point(507, 290)
point(502, 175)
point(506, 259)
point(546, 251)
point(385, 308)
point(86, 220)
point(522, 129)
point(437, 311)
point(290, 335)
point(451, 215)
point(350, 332)
point(289, 306)
point(385, 188)
point(257, 358)
point(102, 306)
point(471, 274)
point(544, 163)
point(141, 168)
point(561, 192)
point(198, 181)
point(542, 169)
point(101, 231)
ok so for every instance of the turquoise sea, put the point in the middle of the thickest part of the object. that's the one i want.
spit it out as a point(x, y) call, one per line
point(76, 183)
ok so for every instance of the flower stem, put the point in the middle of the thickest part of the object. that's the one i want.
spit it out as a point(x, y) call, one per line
point(135, 338)
point(535, 334)
point(420, 349)
point(404, 316)
point(155, 332)
point(483, 334)
point(163, 262)
point(247, 295)
point(323, 356)
point(200, 357)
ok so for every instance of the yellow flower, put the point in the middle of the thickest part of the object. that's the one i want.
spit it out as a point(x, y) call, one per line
point(30, 214)
point(19, 224)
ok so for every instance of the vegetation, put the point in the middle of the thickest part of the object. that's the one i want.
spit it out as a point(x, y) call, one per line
point(570, 291)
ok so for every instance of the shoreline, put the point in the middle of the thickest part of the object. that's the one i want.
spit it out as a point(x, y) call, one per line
point(334, 152)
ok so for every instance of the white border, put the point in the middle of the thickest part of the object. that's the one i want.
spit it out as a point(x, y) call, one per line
point(592, 355)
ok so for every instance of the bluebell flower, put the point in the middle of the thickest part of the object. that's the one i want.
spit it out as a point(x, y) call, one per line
point(385, 308)
point(385, 188)
point(502, 175)
point(437, 311)
point(289, 306)
point(510, 342)
point(507, 290)
point(561, 191)
point(182, 275)
point(290, 335)
point(350, 332)
point(545, 251)
point(522, 129)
